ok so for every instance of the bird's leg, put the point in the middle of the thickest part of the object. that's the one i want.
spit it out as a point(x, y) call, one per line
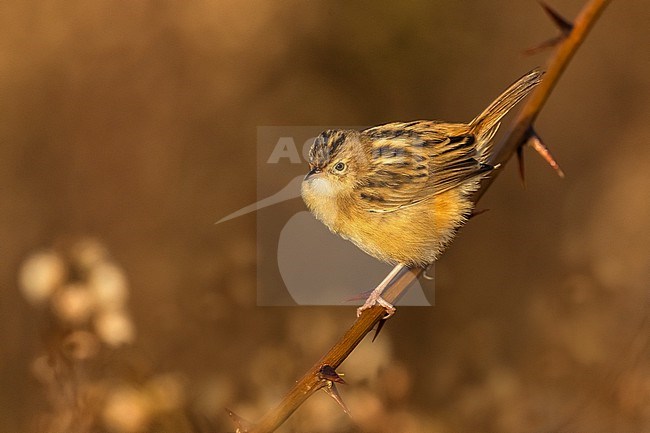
point(375, 296)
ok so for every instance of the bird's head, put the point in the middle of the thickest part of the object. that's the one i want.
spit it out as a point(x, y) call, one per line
point(335, 161)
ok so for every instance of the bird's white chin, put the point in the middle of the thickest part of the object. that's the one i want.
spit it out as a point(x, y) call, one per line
point(320, 186)
point(320, 196)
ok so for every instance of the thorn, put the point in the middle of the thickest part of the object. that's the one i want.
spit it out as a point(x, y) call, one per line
point(563, 24)
point(241, 425)
point(359, 296)
point(425, 273)
point(549, 43)
point(474, 213)
point(545, 153)
point(328, 373)
point(522, 168)
point(380, 325)
point(331, 390)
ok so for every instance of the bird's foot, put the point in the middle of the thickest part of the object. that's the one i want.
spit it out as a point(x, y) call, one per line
point(376, 299)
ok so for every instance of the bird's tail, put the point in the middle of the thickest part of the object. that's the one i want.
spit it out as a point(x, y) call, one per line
point(485, 125)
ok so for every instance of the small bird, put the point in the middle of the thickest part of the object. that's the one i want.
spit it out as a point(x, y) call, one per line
point(401, 191)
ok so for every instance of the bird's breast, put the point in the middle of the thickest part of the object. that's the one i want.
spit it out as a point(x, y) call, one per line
point(321, 199)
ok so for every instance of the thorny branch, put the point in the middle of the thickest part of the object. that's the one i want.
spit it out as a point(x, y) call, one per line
point(322, 374)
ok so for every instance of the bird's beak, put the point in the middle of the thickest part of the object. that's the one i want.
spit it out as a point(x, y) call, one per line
point(313, 172)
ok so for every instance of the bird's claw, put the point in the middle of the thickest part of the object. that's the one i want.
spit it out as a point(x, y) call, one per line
point(376, 299)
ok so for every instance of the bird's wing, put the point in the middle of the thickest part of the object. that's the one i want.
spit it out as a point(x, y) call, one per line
point(410, 162)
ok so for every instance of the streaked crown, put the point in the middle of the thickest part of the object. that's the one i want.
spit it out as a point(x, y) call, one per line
point(326, 146)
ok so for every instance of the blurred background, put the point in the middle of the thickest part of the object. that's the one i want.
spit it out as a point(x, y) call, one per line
point(127, 128)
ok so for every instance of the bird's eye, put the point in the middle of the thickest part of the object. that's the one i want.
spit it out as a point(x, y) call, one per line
point(339, 166)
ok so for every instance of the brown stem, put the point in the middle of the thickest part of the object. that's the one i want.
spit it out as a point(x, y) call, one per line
point(312, 379)
point(558, 62)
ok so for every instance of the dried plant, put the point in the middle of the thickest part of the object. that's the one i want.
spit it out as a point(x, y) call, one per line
point(83, 294)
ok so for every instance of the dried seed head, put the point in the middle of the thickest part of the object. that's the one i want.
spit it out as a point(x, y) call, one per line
point(109, 286)
point(40, 275)
point(115, 328)
point(73, 303)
